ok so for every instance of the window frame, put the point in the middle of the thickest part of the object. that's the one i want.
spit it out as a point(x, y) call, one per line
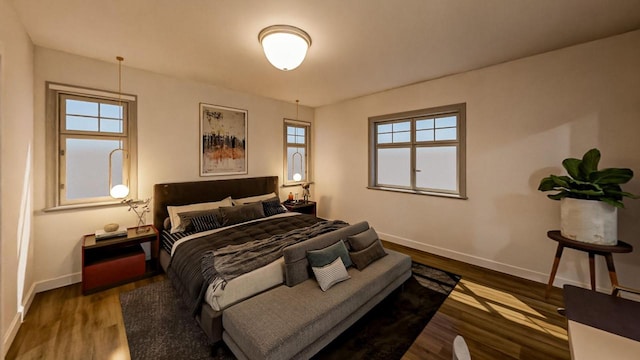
point(412, 117)
point(307, 145)
point(54, 135)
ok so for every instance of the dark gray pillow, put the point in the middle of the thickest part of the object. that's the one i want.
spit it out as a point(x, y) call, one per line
point(232, 215)
point(205, 222)
point(166, 224)
point(272, 207)
point(363, 258)
point(322, 257)
point(186, 218)
point(362, 240)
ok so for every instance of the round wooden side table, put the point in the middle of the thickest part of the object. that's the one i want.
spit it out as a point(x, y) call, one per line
point(592, 249)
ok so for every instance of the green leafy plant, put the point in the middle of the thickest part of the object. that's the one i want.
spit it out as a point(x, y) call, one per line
point(586, 182)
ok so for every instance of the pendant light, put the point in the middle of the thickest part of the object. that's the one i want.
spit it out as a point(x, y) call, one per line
point(297, 176)
point(119, 191)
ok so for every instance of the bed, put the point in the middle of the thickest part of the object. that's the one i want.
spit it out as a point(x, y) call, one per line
point(183, 253)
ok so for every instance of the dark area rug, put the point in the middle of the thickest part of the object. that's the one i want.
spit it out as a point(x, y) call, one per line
point(158, 325)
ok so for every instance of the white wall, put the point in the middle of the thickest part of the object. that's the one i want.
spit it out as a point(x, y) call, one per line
point(168, 144)
point(16, 134)
point(523, 118)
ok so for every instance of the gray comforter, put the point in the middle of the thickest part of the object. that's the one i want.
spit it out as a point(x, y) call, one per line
point(185, 268)
point(227, 263)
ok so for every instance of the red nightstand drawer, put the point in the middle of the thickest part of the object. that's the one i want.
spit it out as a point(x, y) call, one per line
point(128, 265)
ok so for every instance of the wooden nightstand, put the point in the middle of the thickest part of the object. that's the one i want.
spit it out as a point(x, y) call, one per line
point(111, 262)
point(302, 207)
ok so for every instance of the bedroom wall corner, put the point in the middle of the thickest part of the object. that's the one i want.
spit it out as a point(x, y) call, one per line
point(523, 118)
point(16, 164)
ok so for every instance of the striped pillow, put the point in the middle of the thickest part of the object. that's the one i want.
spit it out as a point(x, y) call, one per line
point(331, 274)
point(273, 207)
point(205, 222)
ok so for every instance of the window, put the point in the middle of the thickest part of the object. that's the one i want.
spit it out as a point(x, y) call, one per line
point(84, 127)
point(296, 150)
point(419, 151)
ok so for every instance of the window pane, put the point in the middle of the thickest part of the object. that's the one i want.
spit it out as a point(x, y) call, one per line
point(402, 126)
point(299, 139)
point(424, 124)
point(394, 167)
point(76, 107)
point(87, 167)
point(438, 168)
point(384, 128)
point(448, 121)
point(404, 136)
point(296, 162)
point(113, 126)
point(424, 135)
point(291, 139)
point(80, 123)
point(385, 138)
point(446, 134)
point(300, 131)
point(291, 130)
point(111, 111)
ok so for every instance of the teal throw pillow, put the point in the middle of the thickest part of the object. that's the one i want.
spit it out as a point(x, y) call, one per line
point(322, 257)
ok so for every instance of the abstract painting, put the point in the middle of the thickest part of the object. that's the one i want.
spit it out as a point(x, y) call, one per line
point(223, 140)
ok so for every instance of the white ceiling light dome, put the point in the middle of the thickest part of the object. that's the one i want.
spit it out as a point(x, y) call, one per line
point(285, 46)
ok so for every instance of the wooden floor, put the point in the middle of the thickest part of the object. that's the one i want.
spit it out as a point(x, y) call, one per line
point(500, 317)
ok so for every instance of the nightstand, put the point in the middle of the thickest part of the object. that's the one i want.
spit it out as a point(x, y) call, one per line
point(115, 261)
point(302, 207)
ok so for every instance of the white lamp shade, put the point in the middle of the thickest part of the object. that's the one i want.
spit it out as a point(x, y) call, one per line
point(119, 191)
point(297, 177)
point(285, 46)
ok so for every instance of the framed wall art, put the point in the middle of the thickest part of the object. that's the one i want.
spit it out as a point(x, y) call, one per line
point(223, 140)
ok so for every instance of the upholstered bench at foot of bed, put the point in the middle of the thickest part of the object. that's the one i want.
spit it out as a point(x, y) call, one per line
point(296, 322)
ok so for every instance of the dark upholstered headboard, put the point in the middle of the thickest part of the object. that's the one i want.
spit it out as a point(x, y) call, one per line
point(204, 191)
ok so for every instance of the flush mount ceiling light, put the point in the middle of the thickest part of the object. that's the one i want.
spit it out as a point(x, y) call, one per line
point(285, 46)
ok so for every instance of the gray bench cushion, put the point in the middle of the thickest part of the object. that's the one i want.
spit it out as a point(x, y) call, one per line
point(296, 266)
point(283, 322)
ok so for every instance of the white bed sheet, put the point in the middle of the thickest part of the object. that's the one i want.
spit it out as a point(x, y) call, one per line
point(246, 285)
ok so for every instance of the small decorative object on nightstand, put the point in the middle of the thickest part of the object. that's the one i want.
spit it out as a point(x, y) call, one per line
point(111, 262)
point(303, 207)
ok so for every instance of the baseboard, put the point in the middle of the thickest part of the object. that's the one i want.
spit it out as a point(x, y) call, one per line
point(31, 294)
point(11, 334)
point(485, 263)
point(55, 283)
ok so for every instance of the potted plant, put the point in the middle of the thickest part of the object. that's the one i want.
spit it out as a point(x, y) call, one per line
point(589, 198)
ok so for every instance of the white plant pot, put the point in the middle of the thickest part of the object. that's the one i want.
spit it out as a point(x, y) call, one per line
point(589, 221)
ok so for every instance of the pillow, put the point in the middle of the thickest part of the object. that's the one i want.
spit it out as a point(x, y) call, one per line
point(273, 207)
point(363, 258)
point(186, 218)
point(322, 257)
point(331, 274)
point(362, 240)
point(205, 222)
point(166, 224)
point(238, 214)
point(175, 210)
point(252, 199)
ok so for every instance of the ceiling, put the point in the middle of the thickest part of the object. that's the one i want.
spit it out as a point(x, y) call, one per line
point(358, 47)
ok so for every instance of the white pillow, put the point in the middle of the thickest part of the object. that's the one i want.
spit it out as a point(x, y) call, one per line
point(252, 199)
point(331, 274)
point(175, 210)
